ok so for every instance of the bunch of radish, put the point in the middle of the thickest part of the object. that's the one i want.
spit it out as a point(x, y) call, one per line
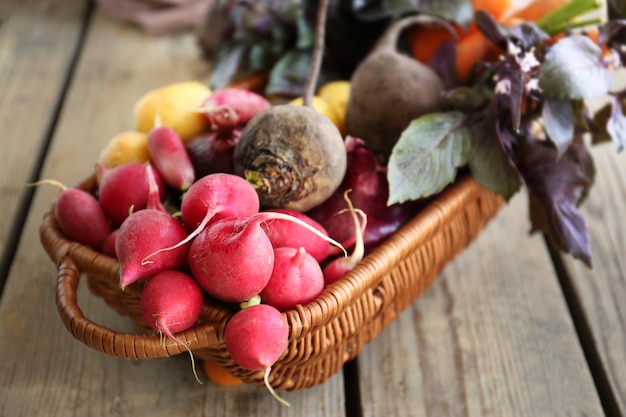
point(192, 234)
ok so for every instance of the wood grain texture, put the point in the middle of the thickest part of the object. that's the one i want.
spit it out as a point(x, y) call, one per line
point(44, 371)
point(37, 39)
point(601, 291)
point(491, 337)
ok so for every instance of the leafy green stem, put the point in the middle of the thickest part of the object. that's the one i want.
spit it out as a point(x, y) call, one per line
point(564, 17)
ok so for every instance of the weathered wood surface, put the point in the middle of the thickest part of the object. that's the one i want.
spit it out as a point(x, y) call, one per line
point(502, 332)
point(491, 337)
point(44, 371)
point(37, 40)
point(599, 294)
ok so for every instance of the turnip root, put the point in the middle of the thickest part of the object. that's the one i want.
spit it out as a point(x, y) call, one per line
point(296, 279)
point(256, 337)
point(80, 215)
point(389, 89)
point(293, 155)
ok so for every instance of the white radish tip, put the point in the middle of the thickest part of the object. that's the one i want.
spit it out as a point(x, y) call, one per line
point(266, 380)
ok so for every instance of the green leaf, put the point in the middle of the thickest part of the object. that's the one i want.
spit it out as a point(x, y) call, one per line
point(573, 69)
point(459, 11)
point(427, 155)
point(559, 120)
point(489, 164)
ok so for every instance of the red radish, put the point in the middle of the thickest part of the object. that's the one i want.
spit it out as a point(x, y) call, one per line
point(171, 302)
point(167, 153)
point(223, 118)
point(141, 235)
point(80, 215)
point(338, 267)
point(255, 338)
point(108, 246)
point(154, 192)
point(217, 196)
point(296, 278)
point(233, 258)
point(245, 103)
point(213, 197)
point(366, 177)
point(125, 188)
point(285, 233)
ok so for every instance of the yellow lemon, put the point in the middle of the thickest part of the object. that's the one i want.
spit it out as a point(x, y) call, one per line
point(125, 147)
point(322, 106)
point(177, 106)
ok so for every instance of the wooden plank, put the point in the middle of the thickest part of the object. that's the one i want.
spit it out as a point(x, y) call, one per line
point(44, 371)
point(491, 337)
point(37, 39)
point(601, 291)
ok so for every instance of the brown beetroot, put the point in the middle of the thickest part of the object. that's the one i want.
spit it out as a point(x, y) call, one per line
point(293, 155)
point(389, 89)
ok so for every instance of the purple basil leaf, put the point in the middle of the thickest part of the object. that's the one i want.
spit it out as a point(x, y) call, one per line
point(556, 187)
point(227, 63)
point(459, 11)
point(491, 29)
point(426, 158)
point(558, 120)
point(443, 63)
point(489, 164)
point(528, 35)
point(573, 69)
point(609, 31)
point(579, 154)
point(616, 125)
point(516, 94)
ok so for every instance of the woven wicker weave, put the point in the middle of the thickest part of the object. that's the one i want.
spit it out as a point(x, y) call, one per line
point(325, 333)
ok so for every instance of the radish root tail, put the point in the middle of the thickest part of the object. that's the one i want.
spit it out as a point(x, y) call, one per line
point(266, 380)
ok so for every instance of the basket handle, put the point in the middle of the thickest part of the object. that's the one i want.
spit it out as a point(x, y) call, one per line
point(119, 344)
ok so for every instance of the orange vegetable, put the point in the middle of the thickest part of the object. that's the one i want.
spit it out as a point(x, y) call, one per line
point(219, 375)
point(496, 8)
point(426, 40)
point(469, 51)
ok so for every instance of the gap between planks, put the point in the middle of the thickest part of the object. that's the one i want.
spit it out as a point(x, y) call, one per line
point(26, 198)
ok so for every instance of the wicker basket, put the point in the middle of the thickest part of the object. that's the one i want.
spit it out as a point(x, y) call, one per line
point(325, 333)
